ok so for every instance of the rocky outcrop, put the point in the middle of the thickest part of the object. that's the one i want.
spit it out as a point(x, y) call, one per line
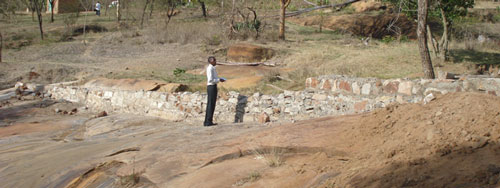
point(248, 53)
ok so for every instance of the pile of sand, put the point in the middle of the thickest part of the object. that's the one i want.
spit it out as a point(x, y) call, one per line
point(451, 142)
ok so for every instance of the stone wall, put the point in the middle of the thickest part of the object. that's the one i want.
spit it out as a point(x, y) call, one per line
point(325, 95)
point(409, 90)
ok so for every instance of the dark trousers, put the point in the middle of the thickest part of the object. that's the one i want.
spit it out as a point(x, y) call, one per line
point(211, 100)
point(98, 12)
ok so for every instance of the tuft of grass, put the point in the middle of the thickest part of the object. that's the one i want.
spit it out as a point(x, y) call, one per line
point(272, 156)
point(253, 176)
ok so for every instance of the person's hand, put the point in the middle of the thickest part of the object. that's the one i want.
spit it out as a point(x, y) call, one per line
point(222, 80)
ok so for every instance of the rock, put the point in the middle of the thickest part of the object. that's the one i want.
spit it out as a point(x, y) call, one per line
point(345, 86)
point(406, 88)
point(311, 82)
point(57, 110)
point(365, 90)
point(326, 85)
point(102, 114)
point(276, 110)
point(360, 106)
point(429, 98)
point(319, 97)
point(172, 88)
point(248, 53)
point(391, 87)
point(355, 88)
point(264, 118)
point(445, 75)
point(73, 111)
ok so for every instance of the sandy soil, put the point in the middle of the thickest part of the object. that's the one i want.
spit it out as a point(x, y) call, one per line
point(451, 142)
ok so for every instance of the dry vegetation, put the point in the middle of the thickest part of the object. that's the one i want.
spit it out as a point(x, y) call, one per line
point(125, 50)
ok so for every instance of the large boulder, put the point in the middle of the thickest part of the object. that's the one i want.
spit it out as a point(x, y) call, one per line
point(248, 53)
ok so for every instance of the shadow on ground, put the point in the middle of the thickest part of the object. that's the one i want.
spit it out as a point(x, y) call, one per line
point(459, 166)
point(476, 57)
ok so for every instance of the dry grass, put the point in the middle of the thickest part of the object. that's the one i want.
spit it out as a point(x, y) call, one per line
point(253, 176)
point(273, 156)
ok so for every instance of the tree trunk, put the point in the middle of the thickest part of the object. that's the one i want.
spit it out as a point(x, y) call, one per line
point(423, 6)
point(443, 46)
point(52, 11)
point(433, 41)
point(284, 5)
point(203, 9)
point(144, 13)
point(118, 11)
point(1, 45)
point(39, 15)
point(152, 8)
point(85, 28)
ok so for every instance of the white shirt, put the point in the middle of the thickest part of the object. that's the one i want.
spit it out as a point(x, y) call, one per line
point(212, 77)
point(98, 6)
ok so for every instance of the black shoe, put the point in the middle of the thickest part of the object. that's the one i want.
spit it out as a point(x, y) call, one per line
point(211, 124)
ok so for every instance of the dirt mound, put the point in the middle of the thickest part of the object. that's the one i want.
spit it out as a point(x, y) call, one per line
point(376, 26)
point(248, 53)
point(89, 28)
point(368, 5)
point(451, 142)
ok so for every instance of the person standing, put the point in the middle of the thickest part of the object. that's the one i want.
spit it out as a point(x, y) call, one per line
point(212, 80)
point(98, 8)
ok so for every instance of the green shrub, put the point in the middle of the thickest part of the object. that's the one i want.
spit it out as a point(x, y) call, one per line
point(178, 72)
point(388, 39)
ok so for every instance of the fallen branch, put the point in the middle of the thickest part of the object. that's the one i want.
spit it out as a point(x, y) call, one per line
point(296, 13)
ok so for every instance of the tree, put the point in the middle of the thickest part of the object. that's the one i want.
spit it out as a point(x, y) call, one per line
point(1, 45)
point(448, 11)
point(169, 6)
point(203, 8)
point(38, 5)
point(445, 10)
point(423, 6)
point(144, 12)
point(118, 11)
point(85, 4)
point(52, 2)
point(284, 4)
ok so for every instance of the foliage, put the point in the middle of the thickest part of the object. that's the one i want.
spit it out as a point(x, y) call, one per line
point(452, 8)
point(388, 39)
point(251, 25)
point(178, 72)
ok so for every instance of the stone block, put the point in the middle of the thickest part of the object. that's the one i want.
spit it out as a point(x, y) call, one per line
point(391, 87)
point(343, 85)
point(366, 89)
point(108, 94)
point(319, 97)
point(406, 88)
point(312, 83)
point(264, 118)
point(326, 85)
point(356, 89)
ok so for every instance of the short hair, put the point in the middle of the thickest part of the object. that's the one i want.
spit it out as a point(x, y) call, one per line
point(211, 59)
